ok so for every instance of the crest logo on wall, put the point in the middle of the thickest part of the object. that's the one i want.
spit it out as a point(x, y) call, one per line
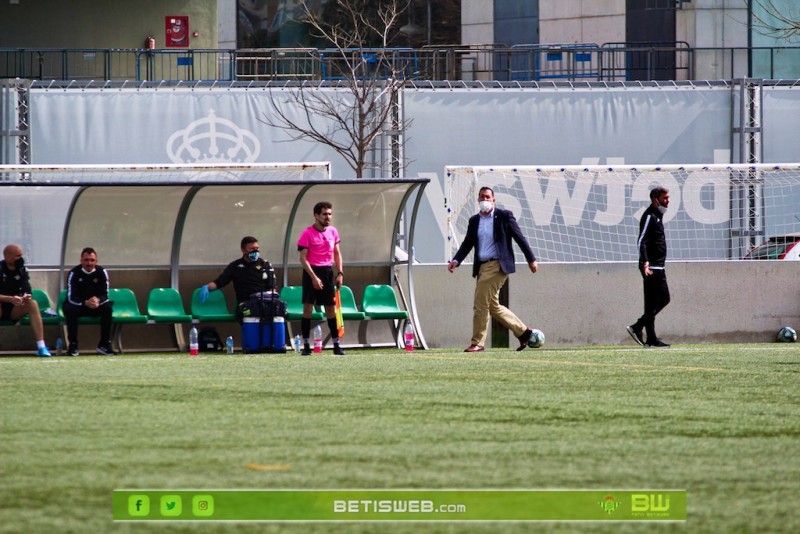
point(213, 140)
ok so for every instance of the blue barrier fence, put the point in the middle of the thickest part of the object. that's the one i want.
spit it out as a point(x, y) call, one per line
point(573, 62)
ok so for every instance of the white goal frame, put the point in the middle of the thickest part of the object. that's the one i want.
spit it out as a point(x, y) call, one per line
point(590, 213)
point(76, 174)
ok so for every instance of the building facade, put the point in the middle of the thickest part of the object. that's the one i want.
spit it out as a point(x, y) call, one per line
point(697, 39)
point(748, 29)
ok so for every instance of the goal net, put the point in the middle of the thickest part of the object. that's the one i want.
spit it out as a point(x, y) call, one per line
point(167, 173)
point(592, 213)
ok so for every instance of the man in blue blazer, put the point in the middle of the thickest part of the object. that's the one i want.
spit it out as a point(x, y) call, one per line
point(491, 233)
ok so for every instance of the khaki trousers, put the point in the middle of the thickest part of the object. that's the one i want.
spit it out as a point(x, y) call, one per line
point(487, 291)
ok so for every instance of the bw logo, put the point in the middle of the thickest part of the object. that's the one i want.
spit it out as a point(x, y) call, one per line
point(649, 502)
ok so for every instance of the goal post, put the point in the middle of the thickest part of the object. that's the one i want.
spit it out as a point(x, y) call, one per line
point(591, 213)
point(157, 173)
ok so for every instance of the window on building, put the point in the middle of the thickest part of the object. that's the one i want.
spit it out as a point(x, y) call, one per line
point(278, 23)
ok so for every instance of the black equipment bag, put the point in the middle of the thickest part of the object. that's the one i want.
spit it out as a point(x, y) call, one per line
point(209, 340)
point(266, 304)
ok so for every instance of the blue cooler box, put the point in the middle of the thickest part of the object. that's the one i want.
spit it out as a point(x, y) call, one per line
point(252, 334)
point(278, 335)
point(263, 335)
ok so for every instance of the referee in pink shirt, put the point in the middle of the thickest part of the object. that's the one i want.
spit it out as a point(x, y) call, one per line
point(322, 272)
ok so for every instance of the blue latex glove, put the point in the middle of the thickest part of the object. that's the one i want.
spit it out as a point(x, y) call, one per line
point(203, 296)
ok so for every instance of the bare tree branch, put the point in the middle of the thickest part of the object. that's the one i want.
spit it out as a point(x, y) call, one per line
point(776, 23)
point(351, 117)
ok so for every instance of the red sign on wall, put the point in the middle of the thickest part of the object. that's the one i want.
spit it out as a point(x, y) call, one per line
point(177, 31)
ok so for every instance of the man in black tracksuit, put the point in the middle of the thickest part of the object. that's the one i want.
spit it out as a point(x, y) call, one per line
point(87, 296)
point(652, 245)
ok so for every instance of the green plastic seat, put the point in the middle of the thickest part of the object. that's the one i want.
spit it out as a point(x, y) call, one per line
point(214, 309)
point(49, 315)
point(380, 302)
point(293, 296)
point(350, 311)
point(126, 308)
point(125, 311)
point(164, 305)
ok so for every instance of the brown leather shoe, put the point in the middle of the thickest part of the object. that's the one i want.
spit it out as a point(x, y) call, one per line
point(524, 338)
point(474, 348)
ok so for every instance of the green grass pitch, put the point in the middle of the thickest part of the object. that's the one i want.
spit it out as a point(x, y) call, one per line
point(720, 421)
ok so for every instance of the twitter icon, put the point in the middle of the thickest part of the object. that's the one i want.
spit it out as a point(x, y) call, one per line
point(171, 505)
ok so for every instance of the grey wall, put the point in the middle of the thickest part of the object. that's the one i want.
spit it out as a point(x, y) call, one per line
point(577, 304)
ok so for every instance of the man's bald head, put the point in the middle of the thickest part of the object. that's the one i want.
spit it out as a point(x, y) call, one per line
point(11, 254)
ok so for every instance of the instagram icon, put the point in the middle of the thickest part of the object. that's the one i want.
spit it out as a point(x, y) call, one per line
point(203, 505)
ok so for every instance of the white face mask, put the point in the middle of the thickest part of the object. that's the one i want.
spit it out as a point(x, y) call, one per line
point(662, 209)
point(486, 205)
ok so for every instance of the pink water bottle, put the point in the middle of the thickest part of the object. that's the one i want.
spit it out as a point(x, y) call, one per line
point(409, 337)
point(194, 344)
point(317, 339)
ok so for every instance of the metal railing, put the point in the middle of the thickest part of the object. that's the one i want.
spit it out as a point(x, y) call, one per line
point(548, 62)
point(268, 64)
point(116, 64)
point(646, 61)
point(490, 62)
point(369, 63)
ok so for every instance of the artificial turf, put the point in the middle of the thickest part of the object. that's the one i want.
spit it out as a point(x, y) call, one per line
point(720, 421)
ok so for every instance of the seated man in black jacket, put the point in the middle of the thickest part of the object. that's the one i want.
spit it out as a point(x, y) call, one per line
point(87, 296)
point(250, 275)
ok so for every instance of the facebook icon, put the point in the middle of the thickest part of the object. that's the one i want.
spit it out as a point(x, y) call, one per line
point(138, 505)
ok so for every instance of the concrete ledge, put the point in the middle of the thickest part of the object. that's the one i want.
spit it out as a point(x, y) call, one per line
point(590, 304)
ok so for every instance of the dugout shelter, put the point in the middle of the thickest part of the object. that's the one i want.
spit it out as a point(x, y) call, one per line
point(179, 229)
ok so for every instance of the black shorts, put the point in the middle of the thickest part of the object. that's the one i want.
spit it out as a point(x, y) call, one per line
point(5, 310)
point(323, 297)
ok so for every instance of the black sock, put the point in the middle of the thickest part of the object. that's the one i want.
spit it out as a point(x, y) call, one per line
point(305, 327)
point(334, 328)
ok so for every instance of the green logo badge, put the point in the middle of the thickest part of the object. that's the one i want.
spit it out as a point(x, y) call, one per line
point(138, 505)
point(609, 504)
point(203, 505)
point(171, 505)
point(651, 504)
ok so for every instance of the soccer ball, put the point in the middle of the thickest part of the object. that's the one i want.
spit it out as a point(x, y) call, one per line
point(537, 339)
point(787, 334)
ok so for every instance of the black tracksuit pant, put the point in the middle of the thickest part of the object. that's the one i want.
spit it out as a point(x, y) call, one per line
point(656, 298)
